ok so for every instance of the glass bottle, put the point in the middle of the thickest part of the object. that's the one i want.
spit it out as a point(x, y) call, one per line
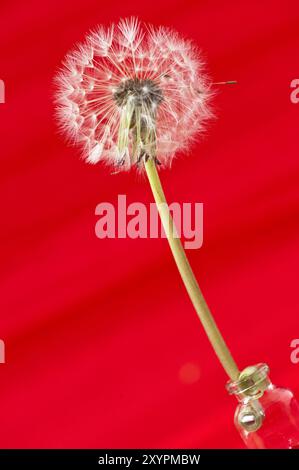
point(267, 417)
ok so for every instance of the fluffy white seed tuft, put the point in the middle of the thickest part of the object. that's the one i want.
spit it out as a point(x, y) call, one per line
point(130, 90)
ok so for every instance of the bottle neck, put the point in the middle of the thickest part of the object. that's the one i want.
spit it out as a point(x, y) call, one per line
point(252, 383)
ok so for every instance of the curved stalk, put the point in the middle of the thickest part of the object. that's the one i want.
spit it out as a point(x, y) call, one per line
point(192, 287)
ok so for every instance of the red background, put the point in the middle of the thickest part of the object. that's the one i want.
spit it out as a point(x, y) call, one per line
point(103, 348)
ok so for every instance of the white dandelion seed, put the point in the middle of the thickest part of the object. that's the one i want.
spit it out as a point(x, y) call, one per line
point(140, 82)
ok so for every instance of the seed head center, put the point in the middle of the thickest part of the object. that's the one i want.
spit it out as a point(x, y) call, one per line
point(141, 92)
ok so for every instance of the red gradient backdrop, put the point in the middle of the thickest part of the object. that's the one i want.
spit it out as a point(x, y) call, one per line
point(103, 348)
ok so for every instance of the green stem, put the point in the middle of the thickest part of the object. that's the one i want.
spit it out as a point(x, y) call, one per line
point(187, 275)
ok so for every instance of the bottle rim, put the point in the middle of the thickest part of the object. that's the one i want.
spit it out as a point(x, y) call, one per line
point(252, 381)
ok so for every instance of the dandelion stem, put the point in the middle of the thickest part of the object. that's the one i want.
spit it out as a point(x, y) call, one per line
point(187, 274)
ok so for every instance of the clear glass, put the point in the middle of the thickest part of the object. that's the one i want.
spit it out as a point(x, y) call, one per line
point(267, 417)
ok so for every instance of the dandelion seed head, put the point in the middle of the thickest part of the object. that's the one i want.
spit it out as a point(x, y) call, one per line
point(131, 90)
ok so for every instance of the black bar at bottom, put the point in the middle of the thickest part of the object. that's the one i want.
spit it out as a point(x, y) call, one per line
point(144, 458)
